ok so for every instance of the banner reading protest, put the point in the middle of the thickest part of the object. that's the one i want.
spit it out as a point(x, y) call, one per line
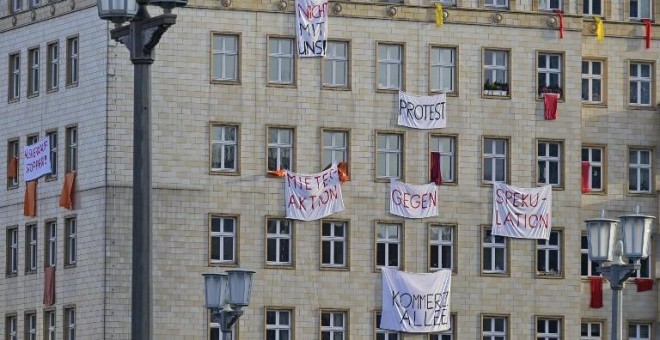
point(311, 197)
point(522, 212)
point(312, 27)
point(422, 112)
point(37, 159)
point(413, 201)
point(416, 303)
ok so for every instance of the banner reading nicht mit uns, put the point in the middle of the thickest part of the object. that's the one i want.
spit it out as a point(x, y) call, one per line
point(312, 27)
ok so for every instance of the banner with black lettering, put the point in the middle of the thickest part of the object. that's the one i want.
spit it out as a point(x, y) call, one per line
point(37, 159)
point(422, 112)
point(416, 303)
point(312, 27)
point(522, 212)
point(413, 201)
point(314, 196)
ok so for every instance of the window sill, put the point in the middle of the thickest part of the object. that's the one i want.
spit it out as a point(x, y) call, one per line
point(70, 85)
point(287, 266)
point(51, 178)
point(451, 184)
point(30, 272)
point(378, 268)
point(495, 274)
point(224, 173)
point(596, 193)
point(14, 100)
point(448, 94)
point(495, 94)
point(226, 81)
point(11, 275)
point(52, 90)
point(335, 87)
point(555, 187)
point(282, 85)
point(12, 187)
point(602, 104)
point(641, 194)
point(223, 264)
point(387, 179)
point(33, 95)
point(69, 266)
point(641, 107)
point(552, 276)
point(334, 268)
point(454, 271)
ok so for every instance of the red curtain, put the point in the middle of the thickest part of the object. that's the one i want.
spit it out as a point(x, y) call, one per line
point(596, 283)
point(30, 199)
point(49, 286)
point(586, 172)
point(644, 284)
point(66, 196)
point(436, 173)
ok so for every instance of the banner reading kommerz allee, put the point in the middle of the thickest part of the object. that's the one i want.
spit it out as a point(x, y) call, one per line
point(37, 159)
point(522, 212)
point(312, 27)
point(416, 303)
point(422, 112)
point(314, 196)
point(413, 201)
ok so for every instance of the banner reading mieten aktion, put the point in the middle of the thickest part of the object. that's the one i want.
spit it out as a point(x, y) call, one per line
point(310, 197)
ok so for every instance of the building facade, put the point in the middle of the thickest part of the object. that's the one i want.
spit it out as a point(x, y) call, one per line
point(231, 102)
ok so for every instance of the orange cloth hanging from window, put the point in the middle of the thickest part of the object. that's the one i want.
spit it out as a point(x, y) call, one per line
point(12, 169)
point(66, 197)
point(30, 199)
point(49, 286)
point(277, 173)
point(342, 168)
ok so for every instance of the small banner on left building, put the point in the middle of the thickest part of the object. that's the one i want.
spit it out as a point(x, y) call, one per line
point(37, 159)
point(416, 302)
point(313, 196)
point(312, 27)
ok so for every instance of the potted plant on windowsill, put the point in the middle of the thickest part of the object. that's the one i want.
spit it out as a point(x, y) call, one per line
point(496, 88)
point(550, 89)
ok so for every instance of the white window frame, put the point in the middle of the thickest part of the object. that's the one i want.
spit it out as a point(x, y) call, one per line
point(438, 243)
point(13, 152)
point(72, 149)
point(390, 153)
point(491, 68)
point(493, 156)
point(31, 251)
point(491, 245)
point(644, 265)
point(637, 326)
point(336, 65)
point(544, 333)
point(637, 6)
point(492, 333)
point(70, 246)
point(221, 235)
point(386, 334)
point(52, 140)
point(70, 323)
point(279, 146)
point(278, 327)
point(441, 68)
point(16, 6)
point(73, 61)
point(591, 327)
point(50, 325)
point(53, 67)
point(280, 238)
point(33, 71)
point(639, 167)
point(15, 75)
point(550, 249)
point(447, 157)
point(590, 78)
point(496, 3)
point(227, 147)
point(550, 5)
point(51, 241)
point(223, 54)
point(31, 326)
point(391, 65)
point(588, 8)
point(584, 254)
point(547, 160)
point(11, 325)
point(12, 251)
point(388, 239)
point(277, 59)
point(548, 71)
point(334, 331)
point(332, 241)
point(594, 166)
point(638, 81)
point(335, 151)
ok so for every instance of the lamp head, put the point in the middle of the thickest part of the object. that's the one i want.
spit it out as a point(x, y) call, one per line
point(117, 11)
point(168, 5)
point(601, 233)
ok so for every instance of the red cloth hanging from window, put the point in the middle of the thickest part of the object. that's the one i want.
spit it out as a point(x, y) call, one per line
point(12, 169)
point(550, 103)
point(596, 283)
point(586, 172)
point(647, 32)
point(66, 196)
point(560, 17)
point(30, 199)
point(644, 284)
point(49, 286)
point(436, 172)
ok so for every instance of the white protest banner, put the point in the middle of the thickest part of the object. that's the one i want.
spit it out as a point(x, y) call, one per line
point(416, 303)
point(522, 212)
point(422, 112)
point(312, 27)
point(311, 197)
point(413, 201)
point(37, 159)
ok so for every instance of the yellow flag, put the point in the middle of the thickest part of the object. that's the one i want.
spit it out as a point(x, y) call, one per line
point(600, 29)
point(439, 15)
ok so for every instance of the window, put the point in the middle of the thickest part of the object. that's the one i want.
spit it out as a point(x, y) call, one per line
point(641, 9)
point(225, 57)
point(335, 147)
point(550, 5)
point(494, 249)
point(31, 248)
point(333, 325)
point(382, 334)
point(72, 61)
point(223, 239)
point(639, 331)
point(71, 149)
point(389, 155)
point(494, 327)
point(281, 63)
point(390, 66)
point(279, 325)
point(594, 156)
point(334, 244)
point(548, 329)
point(549, 255)
point(224, 146)
point(52, 68)
point(216, 334)
point(33, 71)
point(641, 80)
point(280, 149)
point(389, 244)
point(549, 73)
point(588, 267)
point(446, 2)
point(497, 3)
point(279, 242)
point(549, 156)
point(592, 81)
point(52, 140)
point(639, 171)
point(12, 251)
point(591, 331)
point(12, 164)
point(30, 326)
point(592, 7)
point(11, 328)
point(14, 76)
point(335, 65)
point(15, 6)
point(446, 147)
point(443, 69)
point(49, 325)
point(70, 323)
point(50, 253)
point(446, 335)
point(495, 160)
point(496, 73)
point(644, 270)
point(71, 241)
point(441, 247)
point(31, 139)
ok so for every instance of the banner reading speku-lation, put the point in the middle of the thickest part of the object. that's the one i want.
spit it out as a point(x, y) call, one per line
point(312, 27)
point(522, 212)
point(314, 196)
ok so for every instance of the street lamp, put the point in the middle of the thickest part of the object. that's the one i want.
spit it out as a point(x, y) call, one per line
point(605, 248)
point(140, 36)
point(226, 294)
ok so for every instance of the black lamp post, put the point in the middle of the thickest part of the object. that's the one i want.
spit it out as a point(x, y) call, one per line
point(226, 294)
